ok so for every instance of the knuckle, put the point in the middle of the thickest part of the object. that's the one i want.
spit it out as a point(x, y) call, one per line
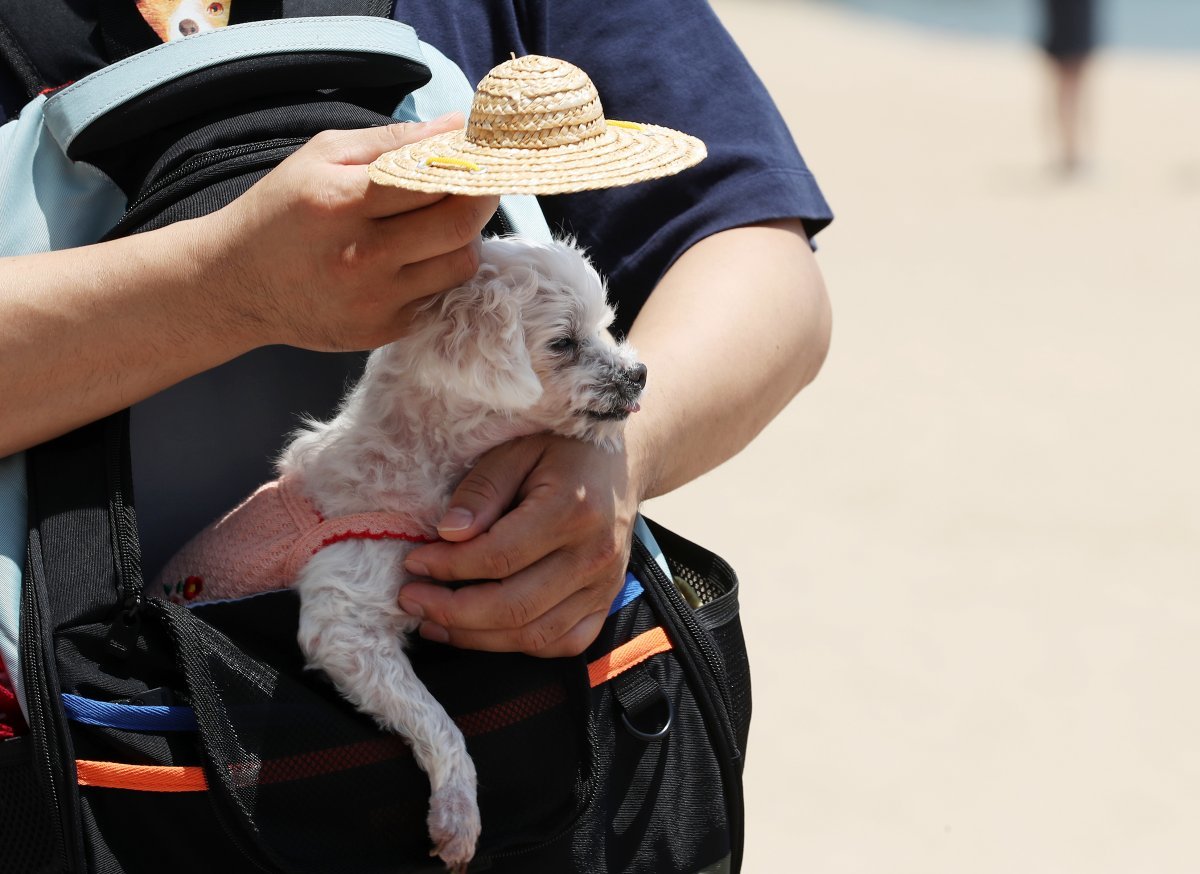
point(469, 260)
point(329, 144)
point(533, 639)
point(518, 612)
point(400, 134)
point(609, 551)
point(603, 557)
point(501, 563)
point(588, 513)
point(319, 200)
point(362, 256)
point(461, 225)
point(350, 256)
point(479, 485)
point(323, 140)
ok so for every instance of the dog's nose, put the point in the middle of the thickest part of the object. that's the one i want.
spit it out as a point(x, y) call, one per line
point(637, 375)
point(187, 27)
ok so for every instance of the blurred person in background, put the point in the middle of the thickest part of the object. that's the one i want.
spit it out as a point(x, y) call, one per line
point(1069, 38)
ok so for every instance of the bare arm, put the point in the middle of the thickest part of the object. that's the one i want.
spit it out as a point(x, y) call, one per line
point(737, 327)
point(312, 256)
point(733, 331)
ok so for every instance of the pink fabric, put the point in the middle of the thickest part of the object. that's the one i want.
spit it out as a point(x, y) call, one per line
point(262, 544)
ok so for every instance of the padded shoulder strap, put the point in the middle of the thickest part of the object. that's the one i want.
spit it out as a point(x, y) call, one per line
point(70, 111)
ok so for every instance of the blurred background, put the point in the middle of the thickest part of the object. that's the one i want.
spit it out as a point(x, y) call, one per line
point(969, 551)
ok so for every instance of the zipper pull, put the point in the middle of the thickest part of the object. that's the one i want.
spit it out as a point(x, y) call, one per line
point(126, 626)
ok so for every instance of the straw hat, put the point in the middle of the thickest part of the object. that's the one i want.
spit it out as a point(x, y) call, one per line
point(537, 127)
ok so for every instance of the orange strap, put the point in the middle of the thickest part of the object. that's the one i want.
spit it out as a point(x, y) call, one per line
point(627, 655)
point(143, 778)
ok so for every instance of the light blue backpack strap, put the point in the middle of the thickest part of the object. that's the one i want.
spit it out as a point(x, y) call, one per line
point(75, 107)
point(642, 530)
point(449, 91)
point(47, 202)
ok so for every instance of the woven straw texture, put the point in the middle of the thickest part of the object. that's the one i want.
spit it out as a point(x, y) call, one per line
point(537, 127)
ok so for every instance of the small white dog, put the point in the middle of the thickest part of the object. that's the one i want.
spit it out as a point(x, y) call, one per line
point(523, 348)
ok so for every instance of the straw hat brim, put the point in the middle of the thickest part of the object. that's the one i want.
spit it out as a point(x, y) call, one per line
point(621, 155)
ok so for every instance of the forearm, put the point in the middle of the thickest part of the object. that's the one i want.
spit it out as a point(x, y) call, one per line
point(87, 331)
point(313, 255)
point(735, 329)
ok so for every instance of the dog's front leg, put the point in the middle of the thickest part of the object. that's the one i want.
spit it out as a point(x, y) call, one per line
point(352, 628)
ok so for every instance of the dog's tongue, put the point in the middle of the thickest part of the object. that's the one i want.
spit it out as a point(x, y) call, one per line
point(633, 408)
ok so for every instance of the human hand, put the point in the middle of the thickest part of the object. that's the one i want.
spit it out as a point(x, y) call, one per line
point(328, 260)
point(557, 558)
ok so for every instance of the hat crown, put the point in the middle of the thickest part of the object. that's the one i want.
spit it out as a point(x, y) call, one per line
point(535, 102)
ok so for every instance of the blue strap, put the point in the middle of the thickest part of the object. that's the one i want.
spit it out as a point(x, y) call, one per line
point(147, 717)
point(629, 592)
point(132, 717)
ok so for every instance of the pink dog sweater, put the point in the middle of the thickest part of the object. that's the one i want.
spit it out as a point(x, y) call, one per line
point(262, 544)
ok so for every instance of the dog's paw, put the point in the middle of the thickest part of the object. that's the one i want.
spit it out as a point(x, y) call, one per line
point(454, 826)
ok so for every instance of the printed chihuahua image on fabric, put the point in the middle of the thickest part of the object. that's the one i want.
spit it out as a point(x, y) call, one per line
point(175, 19)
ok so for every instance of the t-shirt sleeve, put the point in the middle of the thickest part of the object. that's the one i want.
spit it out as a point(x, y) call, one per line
point(673, 63)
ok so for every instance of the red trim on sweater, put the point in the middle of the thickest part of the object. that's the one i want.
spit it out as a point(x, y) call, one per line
point(372, 535)
point(52, 88)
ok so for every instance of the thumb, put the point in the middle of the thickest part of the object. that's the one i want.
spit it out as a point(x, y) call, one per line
point(365, 145)
point(488, 490)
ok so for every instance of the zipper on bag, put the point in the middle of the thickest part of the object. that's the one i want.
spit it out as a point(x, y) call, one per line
point(265, 155)
point(686, 617)
point(43, 726)
point(123, 633)
point(685, 630)
point(208, 158)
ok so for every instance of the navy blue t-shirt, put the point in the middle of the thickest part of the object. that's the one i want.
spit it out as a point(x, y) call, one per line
point(202, 446)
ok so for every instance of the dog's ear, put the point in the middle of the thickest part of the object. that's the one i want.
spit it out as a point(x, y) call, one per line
point(473, 342)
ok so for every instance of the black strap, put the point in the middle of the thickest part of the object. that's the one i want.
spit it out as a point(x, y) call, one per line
point(646, 708)
point(19, 62)
point(123, 29)
point(219, 676)
point(636, 690)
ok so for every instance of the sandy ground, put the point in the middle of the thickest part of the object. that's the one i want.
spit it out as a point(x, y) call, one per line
point(970, 550)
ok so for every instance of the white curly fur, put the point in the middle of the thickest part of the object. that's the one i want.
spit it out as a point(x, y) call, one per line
point(521, 349)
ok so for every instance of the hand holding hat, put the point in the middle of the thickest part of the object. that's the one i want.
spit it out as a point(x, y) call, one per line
point(537, 127)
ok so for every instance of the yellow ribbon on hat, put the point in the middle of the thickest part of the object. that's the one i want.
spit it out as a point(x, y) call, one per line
point(452, 163)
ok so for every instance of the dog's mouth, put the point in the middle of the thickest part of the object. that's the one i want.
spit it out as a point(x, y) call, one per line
point(619, 400)
point(613, 414)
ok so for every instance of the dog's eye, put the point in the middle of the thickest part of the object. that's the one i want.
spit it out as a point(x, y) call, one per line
point(562, 345)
